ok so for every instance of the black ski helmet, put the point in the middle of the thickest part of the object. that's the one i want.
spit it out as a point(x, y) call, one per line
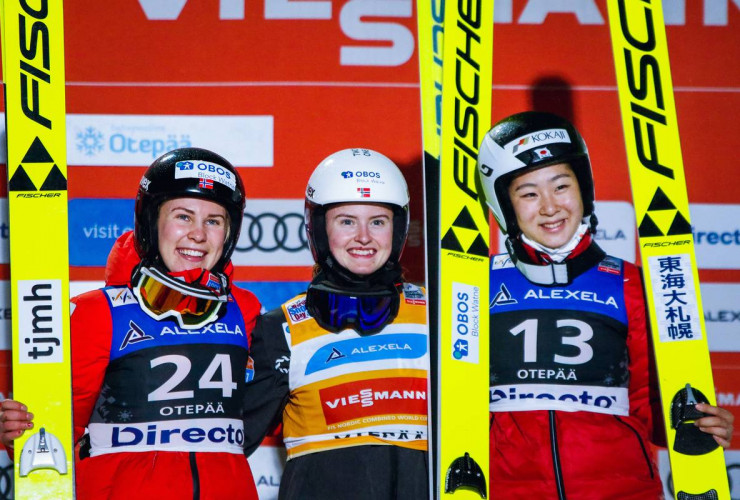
point(187, 173)
point(524, 142)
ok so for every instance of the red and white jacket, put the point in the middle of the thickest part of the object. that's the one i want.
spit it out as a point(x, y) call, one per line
point(571, 416)
point(143, 474)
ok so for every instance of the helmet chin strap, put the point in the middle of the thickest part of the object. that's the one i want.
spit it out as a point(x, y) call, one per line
point(561, 253)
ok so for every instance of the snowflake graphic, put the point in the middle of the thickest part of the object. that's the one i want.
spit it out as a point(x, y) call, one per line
point(90, 141)
point(125, 416)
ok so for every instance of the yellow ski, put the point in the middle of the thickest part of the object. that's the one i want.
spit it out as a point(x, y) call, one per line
point(33, 66)
point(456, 81)
point(666, 244)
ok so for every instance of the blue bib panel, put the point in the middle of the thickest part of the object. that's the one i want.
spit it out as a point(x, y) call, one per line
point(562, 348)
point(168, 388)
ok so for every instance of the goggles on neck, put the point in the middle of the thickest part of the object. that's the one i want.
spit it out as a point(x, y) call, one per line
point(192, 298)
point(364, 311)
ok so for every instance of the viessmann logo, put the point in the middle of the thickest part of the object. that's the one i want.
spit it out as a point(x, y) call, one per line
point(399, 395)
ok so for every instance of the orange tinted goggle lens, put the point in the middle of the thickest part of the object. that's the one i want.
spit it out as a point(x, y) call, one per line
point(161, 299)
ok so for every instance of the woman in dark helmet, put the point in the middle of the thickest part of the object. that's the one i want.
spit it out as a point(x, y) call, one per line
point(355, 421)
point(160, 358)
point(570, 390)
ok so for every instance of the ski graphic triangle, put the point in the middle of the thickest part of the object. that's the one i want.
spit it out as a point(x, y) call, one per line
point(679, 226)
point(660, 202)
point(55, 181)
point(21, 181)
point(479, 247)
point(450, 242)
point(37, 153)
point(465, 220)
point(648, 228)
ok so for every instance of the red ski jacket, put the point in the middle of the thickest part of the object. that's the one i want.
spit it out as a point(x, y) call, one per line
point(547, 443)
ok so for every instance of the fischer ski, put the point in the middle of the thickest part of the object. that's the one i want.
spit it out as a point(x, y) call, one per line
point(666, 244)
point(33, 66)
point(456, 78)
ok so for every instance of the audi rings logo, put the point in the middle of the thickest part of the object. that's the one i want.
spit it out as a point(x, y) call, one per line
point(270, 232)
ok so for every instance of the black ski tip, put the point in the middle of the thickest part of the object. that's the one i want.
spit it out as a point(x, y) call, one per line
point(464, 472)
point(709, 495)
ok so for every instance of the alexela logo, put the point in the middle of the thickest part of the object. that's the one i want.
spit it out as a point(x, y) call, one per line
point(40, 321)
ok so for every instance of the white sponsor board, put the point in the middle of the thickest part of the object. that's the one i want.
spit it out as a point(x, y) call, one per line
point(721, 302)
point(615, 233)
point(136, 140)
point(716, 235)
point(273, 234)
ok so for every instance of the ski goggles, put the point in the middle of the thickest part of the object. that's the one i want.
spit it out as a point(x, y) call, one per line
point(192, 298)
point(365, 312)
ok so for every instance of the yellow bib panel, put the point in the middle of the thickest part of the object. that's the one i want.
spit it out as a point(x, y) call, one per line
point(347, 389)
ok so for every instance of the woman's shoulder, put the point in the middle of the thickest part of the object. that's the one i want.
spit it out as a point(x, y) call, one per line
point(242, 295)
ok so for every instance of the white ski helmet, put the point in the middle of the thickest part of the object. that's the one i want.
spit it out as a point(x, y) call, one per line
point(355, 175)
point(524, 142)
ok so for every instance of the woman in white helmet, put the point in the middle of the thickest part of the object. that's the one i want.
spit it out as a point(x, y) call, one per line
point(355, 422)
point(570, 381)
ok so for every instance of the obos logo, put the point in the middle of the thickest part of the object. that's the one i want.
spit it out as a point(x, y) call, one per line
point(465, 322)
point(185, 165)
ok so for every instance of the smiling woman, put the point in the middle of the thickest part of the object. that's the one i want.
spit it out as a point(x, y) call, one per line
point(133, 377)
point(355, 419)
point(192, 233)
point(360, 236)
point(570, 377)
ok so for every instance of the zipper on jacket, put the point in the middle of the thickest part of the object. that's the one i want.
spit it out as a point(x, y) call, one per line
point(196, 477)
point(556, 456)
point(642, 445)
